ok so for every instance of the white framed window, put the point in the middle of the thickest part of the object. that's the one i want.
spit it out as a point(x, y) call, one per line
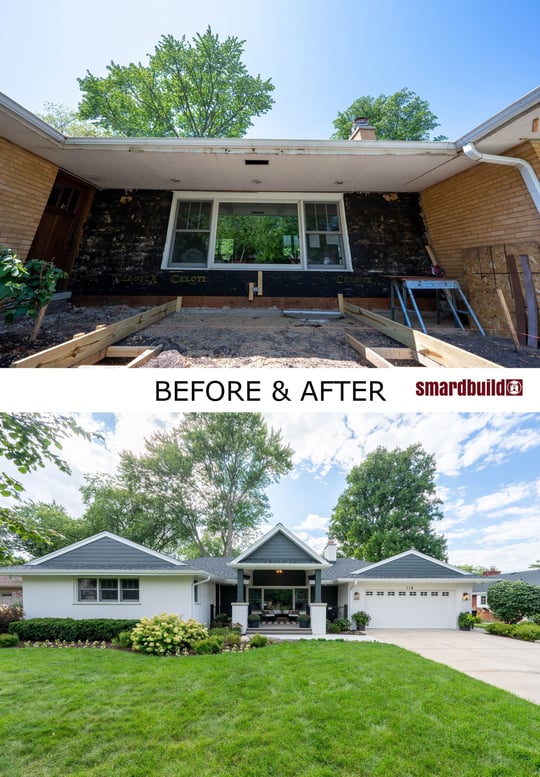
point(296, 231)
point(108, 589)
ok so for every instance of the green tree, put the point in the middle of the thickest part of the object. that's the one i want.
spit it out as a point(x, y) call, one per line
point(399, 116)
point(67, 121)
point(389, 506)
point(56, 528)
point(198, 89)
point(29, 441)
point(513, 600)
point(198, 488)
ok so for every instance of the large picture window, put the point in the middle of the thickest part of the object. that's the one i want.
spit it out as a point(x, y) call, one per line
point(222, 231)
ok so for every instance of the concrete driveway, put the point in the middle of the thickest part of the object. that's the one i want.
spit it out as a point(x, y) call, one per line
point(507, 663)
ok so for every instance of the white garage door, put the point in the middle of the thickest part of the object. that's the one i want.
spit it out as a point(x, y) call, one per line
point(398, 608)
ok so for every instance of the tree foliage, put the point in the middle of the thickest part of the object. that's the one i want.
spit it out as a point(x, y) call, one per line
point(29, 441)
point(389, 506)
point(188, 89)
point(54, 528)
point(512, 600)
point(67, 121)
point(399, 116)
point(198, 488)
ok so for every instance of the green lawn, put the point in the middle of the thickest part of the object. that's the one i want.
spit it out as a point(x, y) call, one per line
point(305, 709)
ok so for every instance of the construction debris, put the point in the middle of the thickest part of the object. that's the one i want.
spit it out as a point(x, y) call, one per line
point(94, 347)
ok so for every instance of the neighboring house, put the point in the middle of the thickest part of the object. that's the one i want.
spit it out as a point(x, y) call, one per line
point(142, 220)
point(278, 577)
point(482, 586)
point(10, 589)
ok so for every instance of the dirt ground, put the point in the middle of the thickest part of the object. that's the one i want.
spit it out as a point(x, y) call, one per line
point(197, 337)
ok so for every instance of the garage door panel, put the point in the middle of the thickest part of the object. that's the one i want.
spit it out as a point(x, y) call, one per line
point(395, 608)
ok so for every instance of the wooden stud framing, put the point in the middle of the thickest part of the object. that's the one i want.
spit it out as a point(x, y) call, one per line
point(427, 349)
point(84, 346)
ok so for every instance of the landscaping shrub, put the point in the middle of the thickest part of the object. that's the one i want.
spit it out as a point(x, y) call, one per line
point(8, 614)
point(25, 286)
point(232, 636)
point(69, 629)
point(8, 640)
point(530, 632)
point(123, 639)
point(337, 626)
point(502, 629)
point(211, 645)
point(167, 634)
point(258, 641)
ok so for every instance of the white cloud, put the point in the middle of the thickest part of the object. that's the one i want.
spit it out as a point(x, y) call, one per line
point(313, 523)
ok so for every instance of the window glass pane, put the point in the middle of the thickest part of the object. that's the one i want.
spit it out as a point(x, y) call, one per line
point(108, 590)
point(322, 217)
point(88, 589)
point(300, 598)
point(190, 248)
point(255, 598)
point(257, 233)
point(193, 215)
point(324, 250)
point(129, 590)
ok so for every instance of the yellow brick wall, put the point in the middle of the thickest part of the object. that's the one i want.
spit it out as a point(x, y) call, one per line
point(25, 184)
point(476, 218)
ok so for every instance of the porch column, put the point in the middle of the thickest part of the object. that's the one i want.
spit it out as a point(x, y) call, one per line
point(240, 585)
point(317, 611)
point(239, 614)
point(317, 591)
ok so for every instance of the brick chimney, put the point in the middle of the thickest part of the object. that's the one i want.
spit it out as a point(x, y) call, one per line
point(330, 550)
point(491, 572)
point(362, 130)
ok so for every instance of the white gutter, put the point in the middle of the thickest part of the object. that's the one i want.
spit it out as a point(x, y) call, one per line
point(527, 171)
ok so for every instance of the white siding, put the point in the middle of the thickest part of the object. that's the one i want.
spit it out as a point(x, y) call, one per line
point(56, 597)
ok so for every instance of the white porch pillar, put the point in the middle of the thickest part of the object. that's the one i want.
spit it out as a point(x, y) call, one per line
point(317, 611)
point(240, 613)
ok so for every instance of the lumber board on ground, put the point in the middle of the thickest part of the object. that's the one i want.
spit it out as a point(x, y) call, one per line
point(427, 346)
point(532, 305)
point(134, 356)
point(83, 347)
point(508, 318)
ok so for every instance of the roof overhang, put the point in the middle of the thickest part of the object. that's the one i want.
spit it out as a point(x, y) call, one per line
point(245, 165)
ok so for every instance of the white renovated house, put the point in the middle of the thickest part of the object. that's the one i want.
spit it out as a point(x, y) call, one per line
point(279, 578)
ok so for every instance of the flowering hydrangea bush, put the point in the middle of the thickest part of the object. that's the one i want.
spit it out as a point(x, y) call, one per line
point(166, 634)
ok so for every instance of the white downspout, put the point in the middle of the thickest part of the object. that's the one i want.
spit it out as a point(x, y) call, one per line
point(527, 171)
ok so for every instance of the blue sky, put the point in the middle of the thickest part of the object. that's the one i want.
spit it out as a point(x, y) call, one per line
point(488, 468)
point(468, 61)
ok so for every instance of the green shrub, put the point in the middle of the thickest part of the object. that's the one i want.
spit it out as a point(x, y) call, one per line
point(211, 645)
point(337, 626)
point(8, 614)
point(167, 634)
point(536, 619)
point(123, 639)
point(70, 629)
point(527, 631)
point(502, 629)
point(8, 640)
point(27, 286)
point(258, 641)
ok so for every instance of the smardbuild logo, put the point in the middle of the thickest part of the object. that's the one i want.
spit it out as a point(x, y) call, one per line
point(507, 387)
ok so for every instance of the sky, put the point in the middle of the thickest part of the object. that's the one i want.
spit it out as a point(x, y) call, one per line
point(467, 60)
point(488, 472)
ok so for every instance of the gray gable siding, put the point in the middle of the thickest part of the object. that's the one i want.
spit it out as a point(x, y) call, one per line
point(279, 549)
point(105, 553)
point(410, 566)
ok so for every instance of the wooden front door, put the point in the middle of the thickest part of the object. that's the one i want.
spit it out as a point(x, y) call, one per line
point(59, 232)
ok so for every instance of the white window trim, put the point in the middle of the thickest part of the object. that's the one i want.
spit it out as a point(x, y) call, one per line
point(295, 198)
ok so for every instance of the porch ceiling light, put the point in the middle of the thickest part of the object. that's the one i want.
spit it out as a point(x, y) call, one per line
point(279, 571)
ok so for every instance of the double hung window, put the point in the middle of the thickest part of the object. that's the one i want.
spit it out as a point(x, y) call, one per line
point(222, 231)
